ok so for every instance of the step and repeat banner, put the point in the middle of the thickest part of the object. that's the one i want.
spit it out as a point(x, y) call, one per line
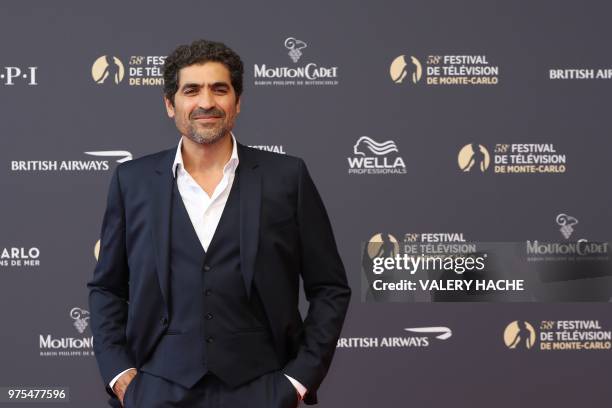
point(462, 150)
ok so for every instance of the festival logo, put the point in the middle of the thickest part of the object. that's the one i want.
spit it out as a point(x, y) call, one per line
point(444, 70)
point(519, 334)
point(141, 70)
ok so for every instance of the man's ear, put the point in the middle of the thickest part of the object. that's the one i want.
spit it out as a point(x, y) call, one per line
point(169, 107)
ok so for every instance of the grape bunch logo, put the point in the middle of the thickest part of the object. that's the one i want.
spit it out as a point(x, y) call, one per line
point(295, 48)
point(566, 224)
point(81, 319)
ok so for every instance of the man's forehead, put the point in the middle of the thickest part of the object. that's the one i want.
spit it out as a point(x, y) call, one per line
point(203, 74)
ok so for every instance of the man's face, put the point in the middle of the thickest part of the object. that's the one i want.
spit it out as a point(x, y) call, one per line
point(205, 104)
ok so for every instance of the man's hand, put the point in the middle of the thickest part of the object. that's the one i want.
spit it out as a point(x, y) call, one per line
point(123, 382)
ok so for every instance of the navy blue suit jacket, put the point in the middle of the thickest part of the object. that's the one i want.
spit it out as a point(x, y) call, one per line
point(284, 234)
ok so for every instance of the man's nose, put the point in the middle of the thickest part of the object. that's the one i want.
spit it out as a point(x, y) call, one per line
point(207, 99)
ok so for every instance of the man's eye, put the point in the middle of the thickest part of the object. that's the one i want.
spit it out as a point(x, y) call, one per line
point(189, 91)
point(221, 91)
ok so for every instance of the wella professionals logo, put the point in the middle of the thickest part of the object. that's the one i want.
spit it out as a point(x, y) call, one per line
point(295, 48)
point(566, 224)
point(16, 76)
point(474, 158)
point(400, 69)
point(311, 73)
point(372, 157)
point(107, 70)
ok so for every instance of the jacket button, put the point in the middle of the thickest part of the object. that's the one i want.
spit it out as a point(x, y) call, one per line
point(207, 267)
point(210, 340)
point(209, 316)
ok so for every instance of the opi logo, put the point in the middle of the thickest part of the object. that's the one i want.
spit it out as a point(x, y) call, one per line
point(17, 75)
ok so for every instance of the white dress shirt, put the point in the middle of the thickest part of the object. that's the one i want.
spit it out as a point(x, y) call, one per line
point(205, 211)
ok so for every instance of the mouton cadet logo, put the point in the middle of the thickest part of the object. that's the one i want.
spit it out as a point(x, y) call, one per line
point(68, 346)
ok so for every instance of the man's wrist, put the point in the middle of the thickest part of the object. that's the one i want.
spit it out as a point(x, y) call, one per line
point(114, 380)
point(299, 388)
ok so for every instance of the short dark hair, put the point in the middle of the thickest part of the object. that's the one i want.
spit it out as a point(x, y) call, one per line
point(199, 52)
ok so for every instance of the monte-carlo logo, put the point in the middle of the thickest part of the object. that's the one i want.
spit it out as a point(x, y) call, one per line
point(372, 157)
point(304, 71)
point(16, 257)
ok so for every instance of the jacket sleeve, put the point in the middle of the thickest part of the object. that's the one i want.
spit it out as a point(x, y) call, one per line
point(325, 286)
point(108, 290)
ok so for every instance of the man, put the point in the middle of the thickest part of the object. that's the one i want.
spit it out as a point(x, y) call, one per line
point(194, 299)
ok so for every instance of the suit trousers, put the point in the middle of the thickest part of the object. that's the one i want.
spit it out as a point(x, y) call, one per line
point(271, 390)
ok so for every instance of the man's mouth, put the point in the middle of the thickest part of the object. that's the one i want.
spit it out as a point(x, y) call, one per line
point(207, 118)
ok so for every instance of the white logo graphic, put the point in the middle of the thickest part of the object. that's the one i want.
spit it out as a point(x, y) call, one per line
point(80, 317)
point(445, 332)
point(113, 153)
point(378, 149)
point(11, 75)
point(567, 224)
point(371, 157)
point(295, 46)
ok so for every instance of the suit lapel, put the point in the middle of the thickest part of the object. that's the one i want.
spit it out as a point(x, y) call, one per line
point(161, 199)
point(250, 206)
